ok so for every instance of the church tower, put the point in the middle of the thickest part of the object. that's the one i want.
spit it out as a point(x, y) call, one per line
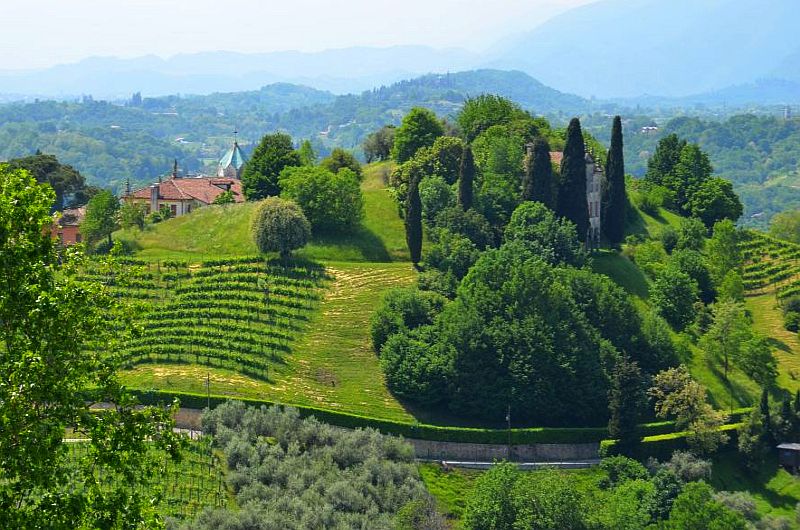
point(231, 165)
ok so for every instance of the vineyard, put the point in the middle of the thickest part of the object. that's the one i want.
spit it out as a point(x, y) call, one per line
point(771, 265)
point(183, 488)
point(238, 314)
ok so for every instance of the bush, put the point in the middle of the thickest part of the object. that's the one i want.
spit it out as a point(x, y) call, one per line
point(403, 310)
point(621, 469)
point(330, 201)
point(469, 224)
point(669, 239)
point(436, 195)
point(452, 254)
point(279, 226)
point(440, 282)
point(791, 321)
point(673, 295)
point(536, 227)
point(414, 368)
point(339, 159)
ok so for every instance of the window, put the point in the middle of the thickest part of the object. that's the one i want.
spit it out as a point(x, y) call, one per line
point(173, 210)
point(78, 237)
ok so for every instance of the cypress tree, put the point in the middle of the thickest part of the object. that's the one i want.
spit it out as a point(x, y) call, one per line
point(414, 221)
point(625, 403)
point(797, 402)
point(614, 200)
point(538, 182)
point(572, 203)
point(466, 177)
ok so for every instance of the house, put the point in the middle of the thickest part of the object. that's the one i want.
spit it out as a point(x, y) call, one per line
point(595, 179)
point(67, 226)
point(789, 456)
point(183, 194)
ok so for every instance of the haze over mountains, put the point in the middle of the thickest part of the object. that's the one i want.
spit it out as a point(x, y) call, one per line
point(607, 49)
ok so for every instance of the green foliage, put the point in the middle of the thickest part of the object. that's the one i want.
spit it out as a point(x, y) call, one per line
point(377, 146)
point(621, 469)
point(295, 474)
point(572, 186)
point(420, 128)
point(614, 197)
point(673, 295)
point(101, 217)
point(338, 159)
point(65, 180)
point(714, 201)
point(466, 178)
point(413, 221)
point(786, 226)
point(650, 257)
point(402, 310)
point(538, 184)
point(482, 112)
point(469, 224)
point(226, 197)
point(415, 370)
point(452, 254)
point(727, 334)
point(693, 264)
point(436, 195)
point(724, 249)
point(332, 202)
point(132, 215)
point(537, 229)
point(279, 226)
point(308, 157)
point(695, 507)
point(664, 159)
point(691, 235)
point(66, 367)
point(260, 175)
point(732, 287)
point(626, 402)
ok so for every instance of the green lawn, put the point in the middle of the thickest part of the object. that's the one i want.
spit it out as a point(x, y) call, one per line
point(623, 271)
point(331, 365)
point(768, 320)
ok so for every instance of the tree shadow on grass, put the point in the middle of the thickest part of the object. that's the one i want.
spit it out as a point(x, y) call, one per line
point(362, 239)
point(779, 345)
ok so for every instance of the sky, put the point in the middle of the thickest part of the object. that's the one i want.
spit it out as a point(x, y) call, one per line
point(42, 33)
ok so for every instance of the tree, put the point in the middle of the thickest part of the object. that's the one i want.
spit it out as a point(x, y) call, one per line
point(572, 203)
point(691, 235)
point(727, 334)
point(403, 310)
point(786, 226)
point(378, 145)
point(688, 175)
point(714, 201)
point(465, 179)
point(615, 200)
point(732, 287)
point(536, 227)
point(413, 222)
point(673, 295)
point(678, 396)
point(226, 197)
point(490, 506)
point(435, 195)
point(101, 217)
point(338, 159)
point(65, 180)
point(60, 337)
point(332, 202)
point(279, 226)
point(756, 359)
point(695, 507)
point(308, 157)
point(695, 265)
point(664, 159)
point(537, 184)
point(724, 249)
point(420, 128)
point(260, 174)
point(487, 110)
point(132, 215)
point(625, 404)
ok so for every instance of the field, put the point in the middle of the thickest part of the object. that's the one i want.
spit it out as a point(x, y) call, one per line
point(187, 487)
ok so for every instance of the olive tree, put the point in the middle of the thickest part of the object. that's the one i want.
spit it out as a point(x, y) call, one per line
point(279, 226)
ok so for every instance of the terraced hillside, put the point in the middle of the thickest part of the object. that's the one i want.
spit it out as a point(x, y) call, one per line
point(772, 265)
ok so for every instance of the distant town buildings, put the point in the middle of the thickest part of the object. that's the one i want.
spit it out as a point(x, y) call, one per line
point(649, 129)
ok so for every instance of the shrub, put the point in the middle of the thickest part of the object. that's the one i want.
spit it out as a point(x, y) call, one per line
point(791, 305)
point(339, 159)
point(403, 310)
point(469, 224)
point(440, 282)
point(556, 240)
point(669, 239)
point(414, 367)
point(650, 257)
point(621, 469)
point(330, 201)
point(279, 226)
point(791, 321)
point(452, 254)
point(673, 295)
point(436, 195)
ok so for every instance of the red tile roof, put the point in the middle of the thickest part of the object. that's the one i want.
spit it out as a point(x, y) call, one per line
point(203, 189)
point(556, 157)
point(72, 216)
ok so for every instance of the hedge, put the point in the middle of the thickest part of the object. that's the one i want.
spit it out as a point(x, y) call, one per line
point(662, 446)
point(419, 431)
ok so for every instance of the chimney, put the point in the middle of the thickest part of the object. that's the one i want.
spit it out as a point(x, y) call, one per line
point(154, 198)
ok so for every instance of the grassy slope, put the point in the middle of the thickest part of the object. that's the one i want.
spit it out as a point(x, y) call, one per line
point(224, 231)
point(768, 319)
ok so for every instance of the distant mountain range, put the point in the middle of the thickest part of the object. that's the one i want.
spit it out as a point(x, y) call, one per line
point(606, 49)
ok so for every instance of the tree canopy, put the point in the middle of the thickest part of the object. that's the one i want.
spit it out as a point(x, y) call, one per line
point(260, 175)
point(420, 128)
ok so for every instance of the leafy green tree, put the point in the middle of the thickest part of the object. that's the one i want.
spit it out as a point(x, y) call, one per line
point(727, 334)
point(691, 235)
point(673, 295)
point(752, 441)
point(308, 157)
point(490, 506)
point(402, 310)
point(572, 187)
point(756, 359)
point(549, 501)
point(695, 507)
point(628, 506)
point(226, 197)
point(469, 224)
point(677, 396)
point(443, 158)
point(664, 159)
point(378, 145)
point(413, 222)
point(723, 247)
point(338, 159)
point(64, 179)
point(538, 183)
point(487, 110)
point(692, 170)
point(715, 200)
point(466, 178)
point(615, 200)
point(260, 175)
point(693, 263)
point(786, 226)
point(101, 217)
point(626, 403)
point(132, 215)
point(435, 195)
point(536, 227)
point(452, 253)
point(279, 225)
point(414, 368)
point(60, 337)
point(732, 287)
point(420, 128)
point(332, 202)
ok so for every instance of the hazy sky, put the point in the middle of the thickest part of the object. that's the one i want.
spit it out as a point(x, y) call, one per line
point(38, 33)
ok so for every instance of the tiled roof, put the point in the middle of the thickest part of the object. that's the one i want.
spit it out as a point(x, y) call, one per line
point(72, 216)
point(203, 189)
point(556, 157)
point(234, 157)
